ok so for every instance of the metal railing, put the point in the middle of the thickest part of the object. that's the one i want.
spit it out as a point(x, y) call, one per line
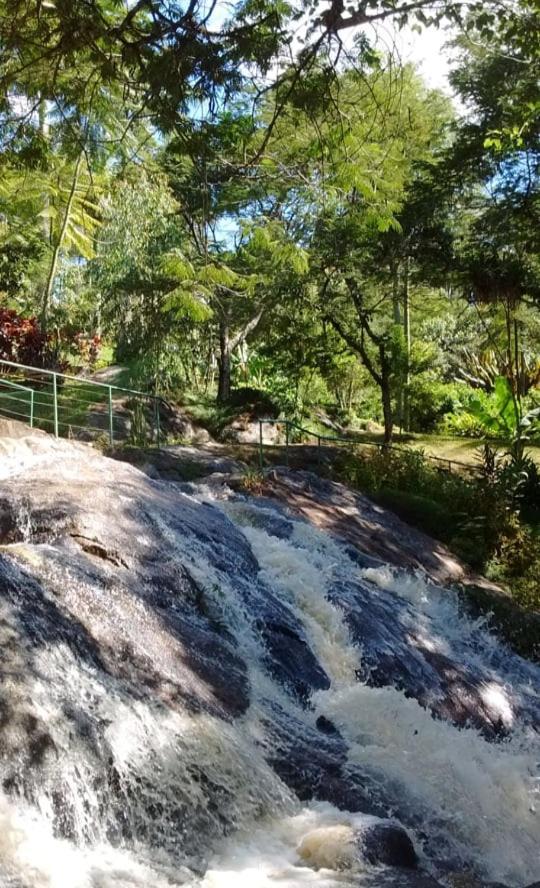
point(320, 440)
point(17, 395)
point(76, 407)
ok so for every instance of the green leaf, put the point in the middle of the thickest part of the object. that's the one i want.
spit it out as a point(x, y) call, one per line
point(185, 304)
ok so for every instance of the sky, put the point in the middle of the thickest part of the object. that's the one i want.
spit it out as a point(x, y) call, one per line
point(427, 51)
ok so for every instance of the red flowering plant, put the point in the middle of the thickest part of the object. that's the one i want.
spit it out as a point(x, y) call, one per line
point(87, 348)
point(22, 340)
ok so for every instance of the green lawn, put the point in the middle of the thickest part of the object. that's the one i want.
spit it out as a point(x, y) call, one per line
point(465, 450)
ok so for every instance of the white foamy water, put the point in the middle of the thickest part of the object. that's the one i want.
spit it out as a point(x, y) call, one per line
point(314, 847)
point(30, 851)
point(479, 799)
point(485, 797)
point(302, 581)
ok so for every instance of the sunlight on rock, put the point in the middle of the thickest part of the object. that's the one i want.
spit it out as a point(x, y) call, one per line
point(497, 702)
point(333, 847)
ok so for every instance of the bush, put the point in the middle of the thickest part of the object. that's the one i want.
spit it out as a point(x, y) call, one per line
point(477, 516)
point(418, 510)
point(464, 425)
point(430, 401)
point(21, 339)
point(257, 402)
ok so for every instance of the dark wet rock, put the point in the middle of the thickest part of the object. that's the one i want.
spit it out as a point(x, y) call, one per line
point(460, 879)
point(398, 650)
point(394, 877)
point(290, 659)
point(314, 765)
point(326, 726)
point(302, 757)
point(362, 559)
point(180, 462)
point(387, 844)
point(159, 650)
point(12, 524)
point(21, 519)
point(194, 648)
point(351, 790)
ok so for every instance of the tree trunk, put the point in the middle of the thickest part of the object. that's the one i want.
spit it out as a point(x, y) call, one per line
point(398, 321)
point(386, 396)
point(58, 246)
point(224, 380)
point(227, 345)
point(407, 337)
point(381, 377)
point(44, 131)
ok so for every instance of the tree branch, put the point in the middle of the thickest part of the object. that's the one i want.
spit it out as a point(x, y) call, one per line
point(333, 19)
point(247, 329)
point(357, 346)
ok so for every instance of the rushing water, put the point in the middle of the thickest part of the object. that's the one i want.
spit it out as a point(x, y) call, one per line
point(201, 706)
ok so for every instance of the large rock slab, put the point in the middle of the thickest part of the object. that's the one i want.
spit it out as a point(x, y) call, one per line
point(370, 528)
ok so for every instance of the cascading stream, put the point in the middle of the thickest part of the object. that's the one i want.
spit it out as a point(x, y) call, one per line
point(458, 779)
point(199, 689)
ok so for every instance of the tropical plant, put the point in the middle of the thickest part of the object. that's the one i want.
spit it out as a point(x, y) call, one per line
point(21, 339)
point(502, 415)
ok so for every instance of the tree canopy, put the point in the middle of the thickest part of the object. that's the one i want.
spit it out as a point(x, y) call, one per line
point(260, 191)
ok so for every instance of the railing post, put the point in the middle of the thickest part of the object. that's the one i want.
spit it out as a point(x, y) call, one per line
point(287, 443)
point(158, 426)
point(318, 450)
point(31, 408)
point(111, 430)
point(261, 455)
point(55, 405)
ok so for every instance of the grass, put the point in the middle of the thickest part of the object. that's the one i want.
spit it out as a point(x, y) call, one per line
point(463, 450)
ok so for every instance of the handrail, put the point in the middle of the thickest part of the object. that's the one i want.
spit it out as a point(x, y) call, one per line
point(79, 379)
point(291, 424)
point(15, 385)
point(22, 388)
point(56, 400)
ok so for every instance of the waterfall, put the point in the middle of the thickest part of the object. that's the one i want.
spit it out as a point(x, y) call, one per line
point(200, 689)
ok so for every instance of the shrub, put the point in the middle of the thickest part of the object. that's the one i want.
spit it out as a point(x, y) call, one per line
point(430, 401)
point(478, 516)
point(463, 424)
point(21, 339)
point(87, 349)
point(257, 402)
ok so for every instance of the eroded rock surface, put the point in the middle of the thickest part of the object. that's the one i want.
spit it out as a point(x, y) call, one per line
point(177, 662)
